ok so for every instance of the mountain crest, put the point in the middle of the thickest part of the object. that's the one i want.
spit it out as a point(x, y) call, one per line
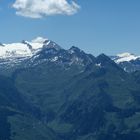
point(74, 49)
point(49, 44)
point(102, 58)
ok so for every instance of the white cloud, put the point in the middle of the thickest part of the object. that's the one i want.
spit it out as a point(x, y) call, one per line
point(41, 8)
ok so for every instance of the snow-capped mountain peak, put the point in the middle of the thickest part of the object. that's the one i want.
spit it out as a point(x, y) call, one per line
point(37, 43)
point(23, 48)
point(51, 45)
point(126, 54)
point(14, 50)
point(39, 40)
point(14, 53)
point(125, 57)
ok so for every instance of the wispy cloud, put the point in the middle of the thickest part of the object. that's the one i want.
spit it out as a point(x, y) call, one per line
point(41, 8)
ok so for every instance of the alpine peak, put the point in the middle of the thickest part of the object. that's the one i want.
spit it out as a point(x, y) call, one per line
point(125, 57)
point(39, 40)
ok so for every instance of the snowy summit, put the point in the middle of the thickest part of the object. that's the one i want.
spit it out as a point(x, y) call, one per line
point(125, 57)
point(22, 49)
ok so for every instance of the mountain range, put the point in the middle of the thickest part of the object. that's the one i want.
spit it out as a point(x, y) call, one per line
point(49, 93)
point(16, 53)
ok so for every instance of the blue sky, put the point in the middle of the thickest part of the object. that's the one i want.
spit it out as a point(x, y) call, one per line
point(98, 26)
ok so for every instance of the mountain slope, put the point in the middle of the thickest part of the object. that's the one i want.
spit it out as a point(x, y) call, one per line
point(78, 102)
point(18, 118)
point(95, 109)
